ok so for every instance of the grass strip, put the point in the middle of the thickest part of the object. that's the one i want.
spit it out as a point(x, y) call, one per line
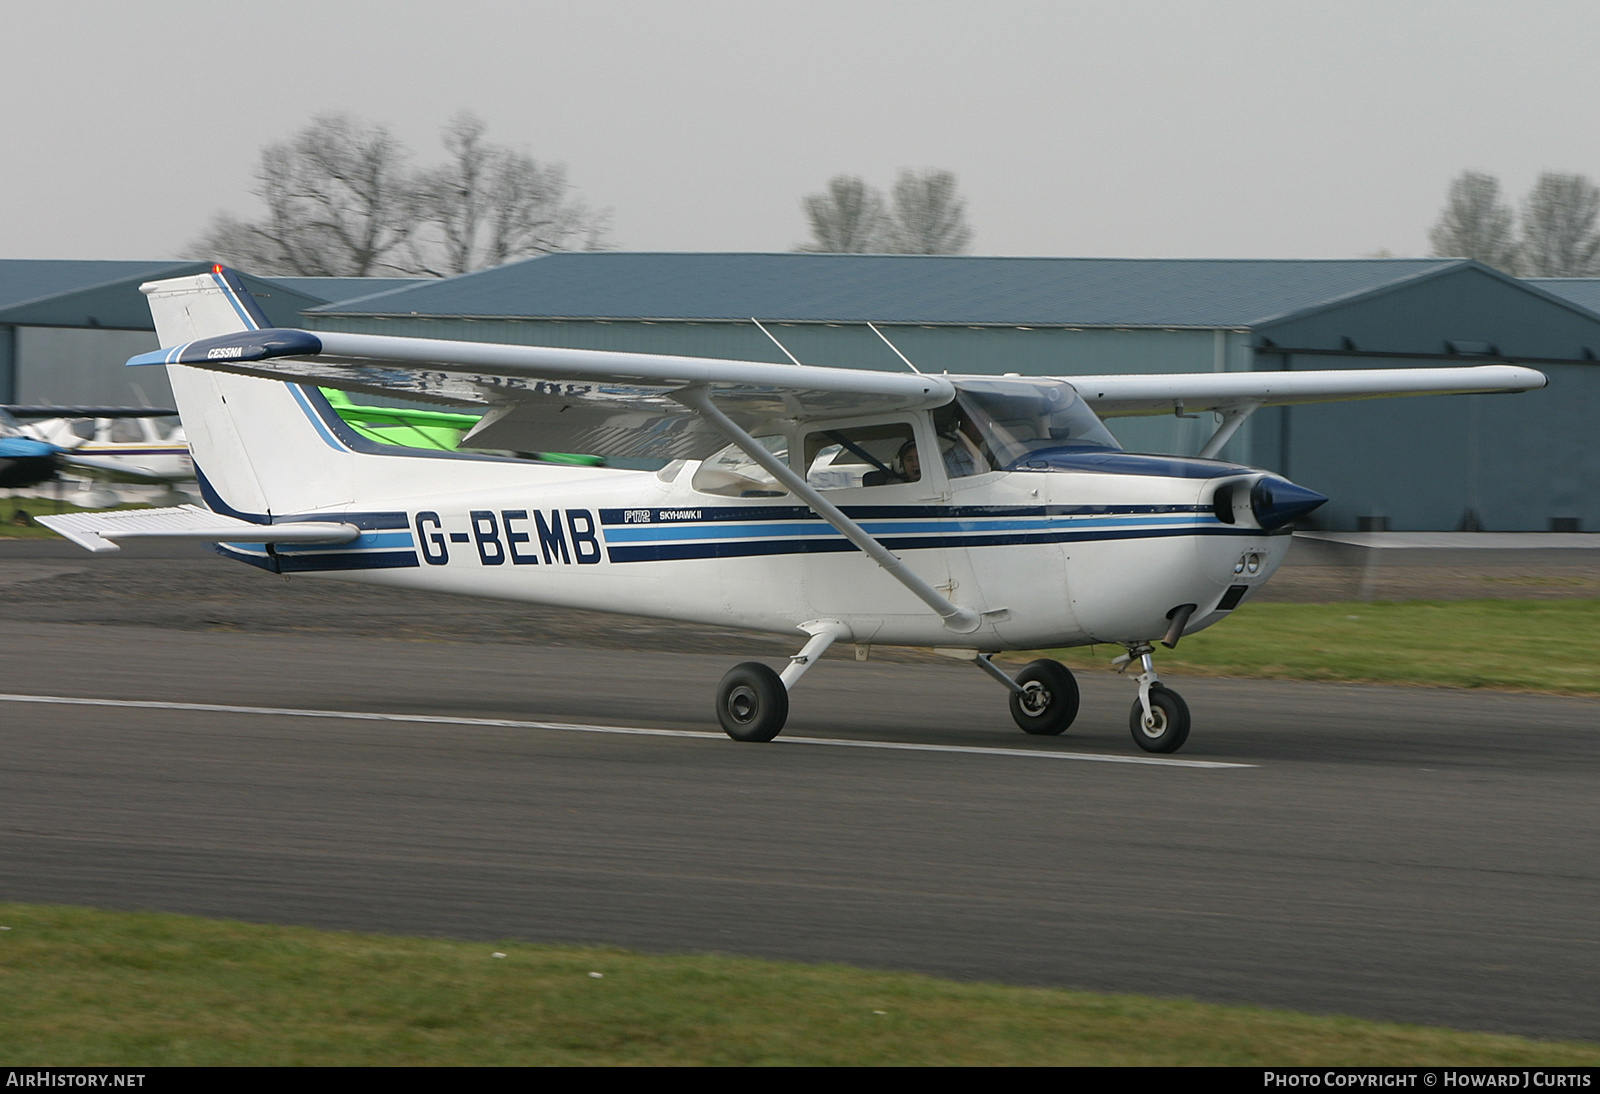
point(85, 987)
point(1516, 645)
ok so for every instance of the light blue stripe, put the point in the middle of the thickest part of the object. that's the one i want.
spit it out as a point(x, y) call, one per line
point(316, 419)
point(667, 533)
point(365, 541)
point(657, 533)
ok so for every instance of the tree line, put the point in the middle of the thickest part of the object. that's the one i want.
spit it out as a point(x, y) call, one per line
point(1555, 235)
point(341, 199)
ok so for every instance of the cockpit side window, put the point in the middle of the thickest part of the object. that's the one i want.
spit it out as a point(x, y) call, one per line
point(870, 455)
point(960, 442)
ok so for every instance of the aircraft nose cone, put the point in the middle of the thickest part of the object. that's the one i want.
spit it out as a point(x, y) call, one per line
point(1276, 502)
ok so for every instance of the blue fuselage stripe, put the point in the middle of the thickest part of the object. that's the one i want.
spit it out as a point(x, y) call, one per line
point(660, 533)
point(664, 552)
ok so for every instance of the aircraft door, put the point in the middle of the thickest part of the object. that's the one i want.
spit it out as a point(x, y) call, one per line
point(878, 472)
point(1007, 564)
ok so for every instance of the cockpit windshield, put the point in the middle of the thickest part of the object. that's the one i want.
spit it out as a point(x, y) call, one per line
point(1008, 420)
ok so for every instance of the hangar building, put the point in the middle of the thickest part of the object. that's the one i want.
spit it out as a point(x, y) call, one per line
point(1527, 462)
point(66, 327)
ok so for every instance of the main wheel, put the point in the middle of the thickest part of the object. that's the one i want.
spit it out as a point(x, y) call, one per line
point(752, 703)
point(1049, 699)
point(1169, 721)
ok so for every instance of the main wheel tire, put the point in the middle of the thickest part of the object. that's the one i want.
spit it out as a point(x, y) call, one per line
point(1050, 702)
point(752, 703)
point(1169, 716)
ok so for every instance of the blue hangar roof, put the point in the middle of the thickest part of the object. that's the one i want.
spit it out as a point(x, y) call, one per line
point(1583, 291)
point(77, 293)
point(26, 279)
point(1230, 293)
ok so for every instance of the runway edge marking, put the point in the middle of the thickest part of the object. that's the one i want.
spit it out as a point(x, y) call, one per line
point(575, 727)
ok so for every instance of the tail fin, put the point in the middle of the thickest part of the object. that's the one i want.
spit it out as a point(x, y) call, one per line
point(256, 448)
point(189, 308)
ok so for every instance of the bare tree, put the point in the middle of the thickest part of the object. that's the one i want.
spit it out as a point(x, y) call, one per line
point(340, 203)
point(490, 204)
point(1476, 224)
point(929, 217)
point(848, 218)
point(1559, 236)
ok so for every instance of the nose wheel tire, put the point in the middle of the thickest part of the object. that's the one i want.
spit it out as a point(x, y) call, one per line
point(752, 703)
point(1049, 701)
point(1168, 726)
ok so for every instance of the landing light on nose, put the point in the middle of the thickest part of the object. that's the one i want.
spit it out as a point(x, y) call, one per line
point(1276, 502)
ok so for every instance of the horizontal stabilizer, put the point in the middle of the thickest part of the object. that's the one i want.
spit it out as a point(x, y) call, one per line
point(47, 410)
point(100, 532)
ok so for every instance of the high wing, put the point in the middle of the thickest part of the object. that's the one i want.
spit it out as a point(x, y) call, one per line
point(1161, 393)
point(630, 404)
point(572, 400)
point(1237, 395)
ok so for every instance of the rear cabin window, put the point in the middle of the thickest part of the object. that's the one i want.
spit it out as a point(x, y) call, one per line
point(732, 474)
point(873, 455)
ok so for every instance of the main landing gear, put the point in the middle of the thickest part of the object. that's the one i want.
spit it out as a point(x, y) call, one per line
point(1044, 696)
point(1159, 719)
point(753, 700)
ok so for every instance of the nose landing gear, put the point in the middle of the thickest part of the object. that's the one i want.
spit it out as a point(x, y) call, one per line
point(1159, 719)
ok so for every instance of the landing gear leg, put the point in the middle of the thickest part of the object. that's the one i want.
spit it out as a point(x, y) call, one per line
point(753, 701)
point(1159, 721)
point(1044, 696)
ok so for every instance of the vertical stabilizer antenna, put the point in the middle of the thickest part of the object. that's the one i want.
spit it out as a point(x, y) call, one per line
point(775, 341)
point(874, 329)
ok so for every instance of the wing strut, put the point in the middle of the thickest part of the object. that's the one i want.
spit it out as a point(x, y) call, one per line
point(1232, 418)
point(959, 620)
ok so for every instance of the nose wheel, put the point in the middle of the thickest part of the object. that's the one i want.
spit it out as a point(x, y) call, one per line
point(1165, 727)
point(1159, 720)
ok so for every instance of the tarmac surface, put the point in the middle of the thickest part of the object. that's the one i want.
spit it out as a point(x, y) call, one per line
point(1401, 853)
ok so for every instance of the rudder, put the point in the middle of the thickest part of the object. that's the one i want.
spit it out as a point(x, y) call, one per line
point(254, 445)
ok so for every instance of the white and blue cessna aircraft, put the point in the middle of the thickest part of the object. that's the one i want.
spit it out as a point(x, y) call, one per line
point(971, 514)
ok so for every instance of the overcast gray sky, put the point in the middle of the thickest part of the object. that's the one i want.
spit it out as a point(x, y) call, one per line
point(1137, 128)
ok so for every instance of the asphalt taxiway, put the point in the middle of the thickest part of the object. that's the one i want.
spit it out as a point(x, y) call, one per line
point(1413, 854)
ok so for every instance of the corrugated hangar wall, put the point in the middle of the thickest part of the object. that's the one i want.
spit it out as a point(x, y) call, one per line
point(1490, 462)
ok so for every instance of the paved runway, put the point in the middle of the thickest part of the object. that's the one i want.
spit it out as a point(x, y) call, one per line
point(1420, 855)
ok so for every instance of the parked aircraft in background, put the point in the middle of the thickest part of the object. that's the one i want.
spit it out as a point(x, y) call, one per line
point(25, 460)
point(134, 448)
point(972, 514)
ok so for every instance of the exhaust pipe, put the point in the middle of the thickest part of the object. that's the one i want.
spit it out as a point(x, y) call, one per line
point(1180, 619)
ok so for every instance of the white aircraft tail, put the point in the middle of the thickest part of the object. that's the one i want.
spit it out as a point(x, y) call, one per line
point(259, 449)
